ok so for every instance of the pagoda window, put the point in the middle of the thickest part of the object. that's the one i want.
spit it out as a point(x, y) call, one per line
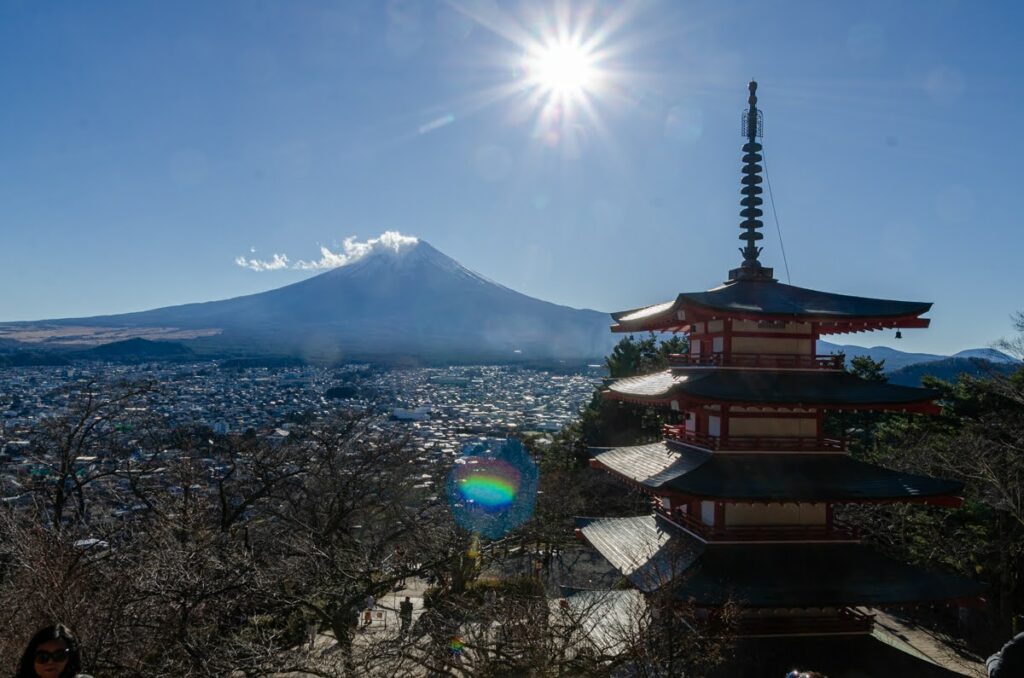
point(707, 512)
point(771, 326)
point(714, 426)
point(764, 515)
point(691, 422)
point(718, 345)
point(716, 326)
point(777, 345)
point(698, 328)
point(770, 426)
point(695, 347)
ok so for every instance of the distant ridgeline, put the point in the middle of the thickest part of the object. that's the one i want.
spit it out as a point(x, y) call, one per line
point(950, 369)
point(33, 359)
point(909, 368)
point(138, 349)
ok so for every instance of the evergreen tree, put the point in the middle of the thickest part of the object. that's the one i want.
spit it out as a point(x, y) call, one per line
point(624, 360)
point(631, 356)
point(868, 369)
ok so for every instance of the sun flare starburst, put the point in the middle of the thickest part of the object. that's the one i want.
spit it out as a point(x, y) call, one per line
point(567, 66)
point(564, 69)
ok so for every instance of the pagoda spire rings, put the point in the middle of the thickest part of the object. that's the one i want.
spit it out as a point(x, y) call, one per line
point(752, 127)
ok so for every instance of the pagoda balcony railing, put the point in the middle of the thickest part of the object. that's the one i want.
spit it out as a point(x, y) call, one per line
point(764, 360)
point(679, 433)
point(837, 532)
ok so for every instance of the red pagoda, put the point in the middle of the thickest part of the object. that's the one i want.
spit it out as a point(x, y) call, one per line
point(744, 487)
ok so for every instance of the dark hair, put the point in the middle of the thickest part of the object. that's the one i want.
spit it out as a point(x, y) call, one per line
point(27, 665)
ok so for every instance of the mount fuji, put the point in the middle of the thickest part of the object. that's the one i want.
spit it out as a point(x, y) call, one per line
point(408, 301)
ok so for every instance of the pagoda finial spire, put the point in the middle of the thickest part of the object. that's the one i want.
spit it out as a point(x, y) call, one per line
point(751, 268)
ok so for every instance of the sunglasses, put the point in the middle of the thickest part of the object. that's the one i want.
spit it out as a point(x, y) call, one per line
point(44, 657)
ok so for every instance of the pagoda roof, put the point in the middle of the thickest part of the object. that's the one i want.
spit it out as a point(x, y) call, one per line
point(768, 299)
point(838, 390)
point(650, 551)
point(767, 477)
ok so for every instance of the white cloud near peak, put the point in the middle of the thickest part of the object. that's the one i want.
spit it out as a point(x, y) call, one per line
point(351, 250)
point(278, 261)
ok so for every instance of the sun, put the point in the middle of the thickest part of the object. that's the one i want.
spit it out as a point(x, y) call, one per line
point(565, 69)
point(563, 64)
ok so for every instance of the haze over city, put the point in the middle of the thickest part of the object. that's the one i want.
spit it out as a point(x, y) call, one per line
point(556, 149)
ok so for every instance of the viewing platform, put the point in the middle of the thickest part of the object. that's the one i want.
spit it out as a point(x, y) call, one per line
point(773, 361)
point(679, 434)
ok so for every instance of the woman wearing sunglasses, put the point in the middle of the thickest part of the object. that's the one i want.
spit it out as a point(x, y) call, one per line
point(52, 653)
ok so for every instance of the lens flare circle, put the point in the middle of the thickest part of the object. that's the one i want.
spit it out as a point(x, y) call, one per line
point(492, 487)
point(492, 484)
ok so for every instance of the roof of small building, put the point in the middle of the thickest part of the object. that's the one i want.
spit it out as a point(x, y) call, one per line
point(769, 387)
point(769, 299)
point(651, 552)
point(767, 477)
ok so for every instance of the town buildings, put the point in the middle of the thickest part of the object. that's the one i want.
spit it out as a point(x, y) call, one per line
point(454, 406)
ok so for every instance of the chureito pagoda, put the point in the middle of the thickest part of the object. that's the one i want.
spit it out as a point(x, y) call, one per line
point(745, 482)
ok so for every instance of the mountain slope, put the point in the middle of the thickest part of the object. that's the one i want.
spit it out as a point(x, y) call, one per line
point(412, 300)
point(138, 349)
point(950, 369)
point(989, 354)
point(897, 360)
point(894, 358)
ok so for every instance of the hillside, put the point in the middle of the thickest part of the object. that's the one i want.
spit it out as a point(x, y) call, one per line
point(950, 369)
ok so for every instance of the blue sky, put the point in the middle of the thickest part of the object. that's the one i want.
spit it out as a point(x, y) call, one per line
point(144, 146)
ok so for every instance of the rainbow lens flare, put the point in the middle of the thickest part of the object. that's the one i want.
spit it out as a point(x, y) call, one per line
point(491, 484)
point(492, 487)
point(455, 645)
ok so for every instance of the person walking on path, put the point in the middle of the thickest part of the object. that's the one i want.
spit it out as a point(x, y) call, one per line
point(405, 614)
point(371, 605)
point(312, 628)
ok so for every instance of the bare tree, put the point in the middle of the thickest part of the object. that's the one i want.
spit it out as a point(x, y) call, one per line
point(74, 449)
point(211, 554)
point(1015, 345)
point(186, 553)
point(979, 440)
